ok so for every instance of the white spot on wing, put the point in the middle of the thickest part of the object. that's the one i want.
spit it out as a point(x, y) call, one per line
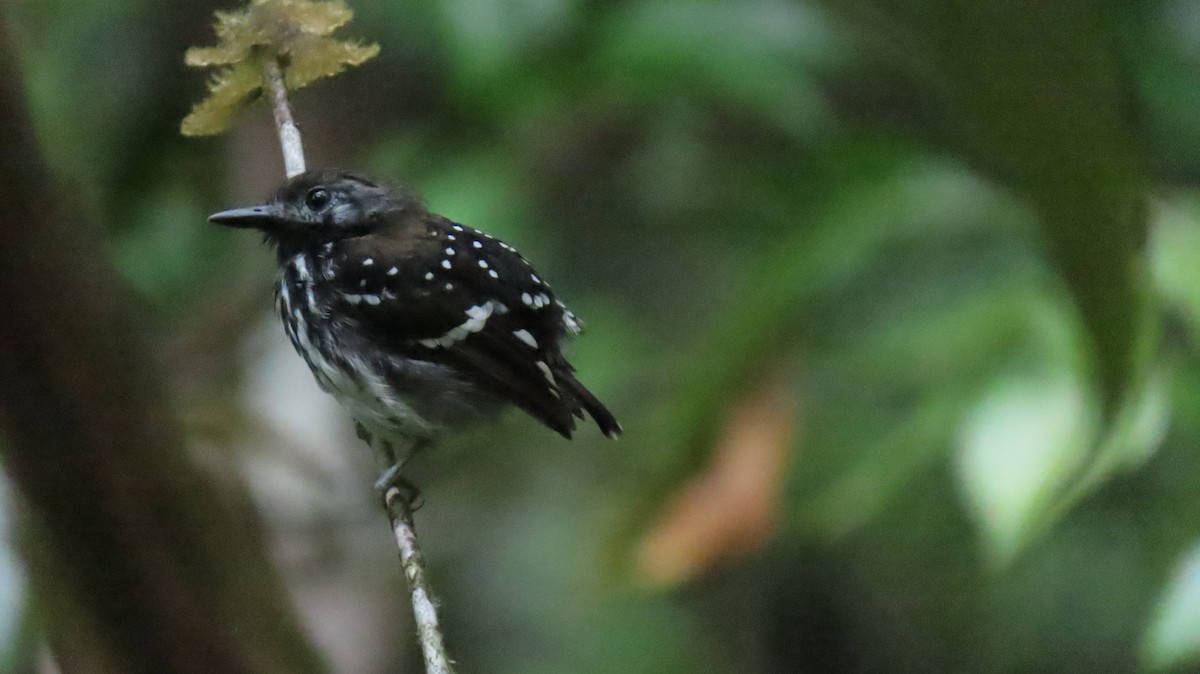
point(450, 252)
point(547, 373)
point(483, 264)
point(368, 262)
point(493, 274)
point(571, 323)
point(428, 276)
point(477, 244)
point(445, 264)
point(393, 271)
point(480, 312)
point(527, 299)
point(524, 336)
point(476, 320)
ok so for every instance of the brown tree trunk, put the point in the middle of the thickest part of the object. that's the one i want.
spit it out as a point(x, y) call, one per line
point(139, 562)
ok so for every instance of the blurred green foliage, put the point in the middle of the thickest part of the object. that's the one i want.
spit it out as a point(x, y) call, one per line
point(967, 231)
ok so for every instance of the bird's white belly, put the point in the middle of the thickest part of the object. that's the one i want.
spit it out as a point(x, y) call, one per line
point(375, 405)
point(356, 386)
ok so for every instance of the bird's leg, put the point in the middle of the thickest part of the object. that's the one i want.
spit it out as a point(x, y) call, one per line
point(392, 475)
point(385, 457)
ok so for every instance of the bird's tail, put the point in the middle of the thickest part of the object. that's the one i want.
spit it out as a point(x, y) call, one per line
point(604, 419)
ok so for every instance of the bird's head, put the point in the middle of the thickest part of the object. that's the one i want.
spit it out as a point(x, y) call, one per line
point(319, 206)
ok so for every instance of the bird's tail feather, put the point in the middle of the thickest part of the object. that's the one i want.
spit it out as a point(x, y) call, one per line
point(604, 419)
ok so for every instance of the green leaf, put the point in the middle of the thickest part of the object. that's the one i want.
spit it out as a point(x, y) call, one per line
point(1034, 447)
point(763, 54)
point(1175, 248)
point(1019, 446)
point(1050, 119)
point(1037, 97)
point(1173, 638)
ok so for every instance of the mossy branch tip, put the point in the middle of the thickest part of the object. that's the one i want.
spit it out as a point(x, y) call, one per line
point(297, 34)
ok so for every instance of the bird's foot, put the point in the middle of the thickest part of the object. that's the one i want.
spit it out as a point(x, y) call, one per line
point(392, 477)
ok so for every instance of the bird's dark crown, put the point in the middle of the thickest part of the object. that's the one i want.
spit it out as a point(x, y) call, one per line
point(323, 205)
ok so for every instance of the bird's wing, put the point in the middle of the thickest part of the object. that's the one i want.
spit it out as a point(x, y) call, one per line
point(476, 305)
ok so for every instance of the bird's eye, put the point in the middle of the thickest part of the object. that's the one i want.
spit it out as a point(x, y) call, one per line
point(317, 198)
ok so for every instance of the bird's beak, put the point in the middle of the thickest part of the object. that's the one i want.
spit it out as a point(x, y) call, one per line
point(257, 217)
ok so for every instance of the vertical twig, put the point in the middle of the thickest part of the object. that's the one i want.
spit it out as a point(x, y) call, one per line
point(424, 611)
point(289, 133)
point(429, 634)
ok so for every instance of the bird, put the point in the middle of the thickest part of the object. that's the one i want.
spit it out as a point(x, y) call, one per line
point(416, 324)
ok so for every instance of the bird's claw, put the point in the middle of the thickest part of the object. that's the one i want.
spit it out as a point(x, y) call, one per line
point(392, 477)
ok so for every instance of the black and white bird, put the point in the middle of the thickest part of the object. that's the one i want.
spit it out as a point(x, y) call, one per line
point(414, 323)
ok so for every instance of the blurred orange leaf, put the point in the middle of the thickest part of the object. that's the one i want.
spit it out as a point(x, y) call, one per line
point(730, 510)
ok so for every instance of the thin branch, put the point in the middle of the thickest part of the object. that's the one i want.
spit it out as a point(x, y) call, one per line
point(289, 133)
point(398, 509)
point(424, 611)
